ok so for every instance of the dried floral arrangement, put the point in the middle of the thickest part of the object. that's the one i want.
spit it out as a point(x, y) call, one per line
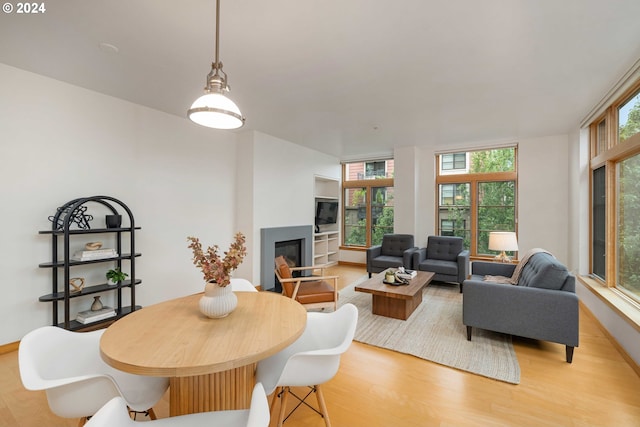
point(213, 267)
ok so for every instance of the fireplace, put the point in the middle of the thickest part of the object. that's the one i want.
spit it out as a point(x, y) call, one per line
point(291, 251)
point(292, 242)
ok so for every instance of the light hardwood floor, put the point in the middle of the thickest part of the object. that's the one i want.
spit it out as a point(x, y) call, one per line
point(377, 387)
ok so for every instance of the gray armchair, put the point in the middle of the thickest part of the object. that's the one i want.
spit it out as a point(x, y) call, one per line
point(395, 251)
point(446, 257)
point(542, 305)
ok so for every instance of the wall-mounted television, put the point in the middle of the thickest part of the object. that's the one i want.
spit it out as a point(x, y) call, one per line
point(326, 212)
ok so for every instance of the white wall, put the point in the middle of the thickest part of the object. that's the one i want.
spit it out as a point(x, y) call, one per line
point(60, 142)
point(542, 193)
point(279, 187)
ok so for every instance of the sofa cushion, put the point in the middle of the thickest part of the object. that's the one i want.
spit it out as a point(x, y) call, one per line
point(283, 267)
point(396, 244)
point(384, 261)
point(313, 292)
point(445, 248)
point(543, 271)
point(449, 268)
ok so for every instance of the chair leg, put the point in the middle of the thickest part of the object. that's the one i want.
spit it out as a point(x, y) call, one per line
point(323, 406)
point(152, 414)
point(274, 398)
point(569, 353)
point(468, 333)
point(82, 421)
point(283, 405)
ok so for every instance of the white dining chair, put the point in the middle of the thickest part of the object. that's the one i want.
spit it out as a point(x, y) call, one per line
point(115, 414)
point(242, 285)
point(312, 360)
point(68, 367)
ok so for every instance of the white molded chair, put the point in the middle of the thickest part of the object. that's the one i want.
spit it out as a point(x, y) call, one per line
point(115, 414)
point(68, 366)
point(312, 360)
point(242, 285)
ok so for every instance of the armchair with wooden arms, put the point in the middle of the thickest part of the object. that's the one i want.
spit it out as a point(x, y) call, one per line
point(310, 291)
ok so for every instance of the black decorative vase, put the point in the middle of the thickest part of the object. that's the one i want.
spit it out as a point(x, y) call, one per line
point(113, 221)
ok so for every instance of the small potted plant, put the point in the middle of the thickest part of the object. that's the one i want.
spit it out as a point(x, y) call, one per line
point(114, 276)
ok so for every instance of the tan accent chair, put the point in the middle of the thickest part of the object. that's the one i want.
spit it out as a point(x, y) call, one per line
point(310, 291)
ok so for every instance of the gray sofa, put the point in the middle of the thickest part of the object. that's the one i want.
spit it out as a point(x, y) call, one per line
point(395, 251)
point(542, 305)
point(446, 257)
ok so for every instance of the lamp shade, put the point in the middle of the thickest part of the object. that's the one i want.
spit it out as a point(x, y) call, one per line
point(503, 241)
point(215, 110)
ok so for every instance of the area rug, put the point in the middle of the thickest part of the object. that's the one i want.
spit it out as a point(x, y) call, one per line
point(435, 332)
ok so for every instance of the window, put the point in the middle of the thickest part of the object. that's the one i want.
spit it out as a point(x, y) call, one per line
point(454, 161)
point(598, 216)
point(368, 202)
point(478, 198)
point(628, 212)
point(615, 196)
point(375, 170)
point(629, 118)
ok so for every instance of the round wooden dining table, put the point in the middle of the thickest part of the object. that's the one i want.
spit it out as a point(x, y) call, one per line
point(210, 362)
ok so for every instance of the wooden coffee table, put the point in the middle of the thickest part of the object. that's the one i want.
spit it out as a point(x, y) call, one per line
point(394, 301)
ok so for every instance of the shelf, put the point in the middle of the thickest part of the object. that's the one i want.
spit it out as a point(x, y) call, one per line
point(325, 248)
point(90, 231)
point(61, 263)
point(59, 296)
point(74, 325)
point(61, 259)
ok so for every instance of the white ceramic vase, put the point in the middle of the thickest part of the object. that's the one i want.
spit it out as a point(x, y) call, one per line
point(217, 301)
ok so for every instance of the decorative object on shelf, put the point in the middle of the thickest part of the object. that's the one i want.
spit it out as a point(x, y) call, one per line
point(214, 109)
point(217, 301)
point(113, 221)
point(77, 216)
point(115, 275)
point(77, 284)
point(217, 274)
point(93, 246)
point(94, 254)
point(90, 316)
point(503, 241)
point(97, 304)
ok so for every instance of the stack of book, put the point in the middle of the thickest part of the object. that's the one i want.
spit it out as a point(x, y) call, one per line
point(89, 316)
point(96, 254)
point(407, 274)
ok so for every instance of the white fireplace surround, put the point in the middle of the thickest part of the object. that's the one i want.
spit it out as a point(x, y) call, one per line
point(268, 239)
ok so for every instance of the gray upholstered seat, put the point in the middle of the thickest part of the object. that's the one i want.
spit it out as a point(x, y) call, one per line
point(446, 257)
point(395, 251)
point(542, 305)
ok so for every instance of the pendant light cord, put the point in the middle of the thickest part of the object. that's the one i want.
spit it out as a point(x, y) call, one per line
point(217, 32)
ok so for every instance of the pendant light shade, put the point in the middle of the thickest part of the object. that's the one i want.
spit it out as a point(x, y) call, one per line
point(214, 109)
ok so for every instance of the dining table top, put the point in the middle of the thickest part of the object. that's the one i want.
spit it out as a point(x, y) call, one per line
point(174, 339)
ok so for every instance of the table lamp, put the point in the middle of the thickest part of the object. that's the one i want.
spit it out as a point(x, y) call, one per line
point(503, 241)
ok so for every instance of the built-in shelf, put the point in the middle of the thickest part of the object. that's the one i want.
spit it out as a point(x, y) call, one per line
point(326, 242)
point(325, 248)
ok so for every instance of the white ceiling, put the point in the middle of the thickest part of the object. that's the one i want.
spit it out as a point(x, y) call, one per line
point(346, 77)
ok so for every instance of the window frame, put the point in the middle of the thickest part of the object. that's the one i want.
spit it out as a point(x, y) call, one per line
point(474, 179)
point(609, 153)
point(369, 184)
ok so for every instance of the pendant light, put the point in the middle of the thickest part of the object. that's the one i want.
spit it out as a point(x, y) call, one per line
point(214, 109)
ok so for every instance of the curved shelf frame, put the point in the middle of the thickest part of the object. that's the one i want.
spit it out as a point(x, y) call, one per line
point(60, 227)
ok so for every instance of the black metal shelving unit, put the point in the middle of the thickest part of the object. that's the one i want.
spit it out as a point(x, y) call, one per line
point(61, 260)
